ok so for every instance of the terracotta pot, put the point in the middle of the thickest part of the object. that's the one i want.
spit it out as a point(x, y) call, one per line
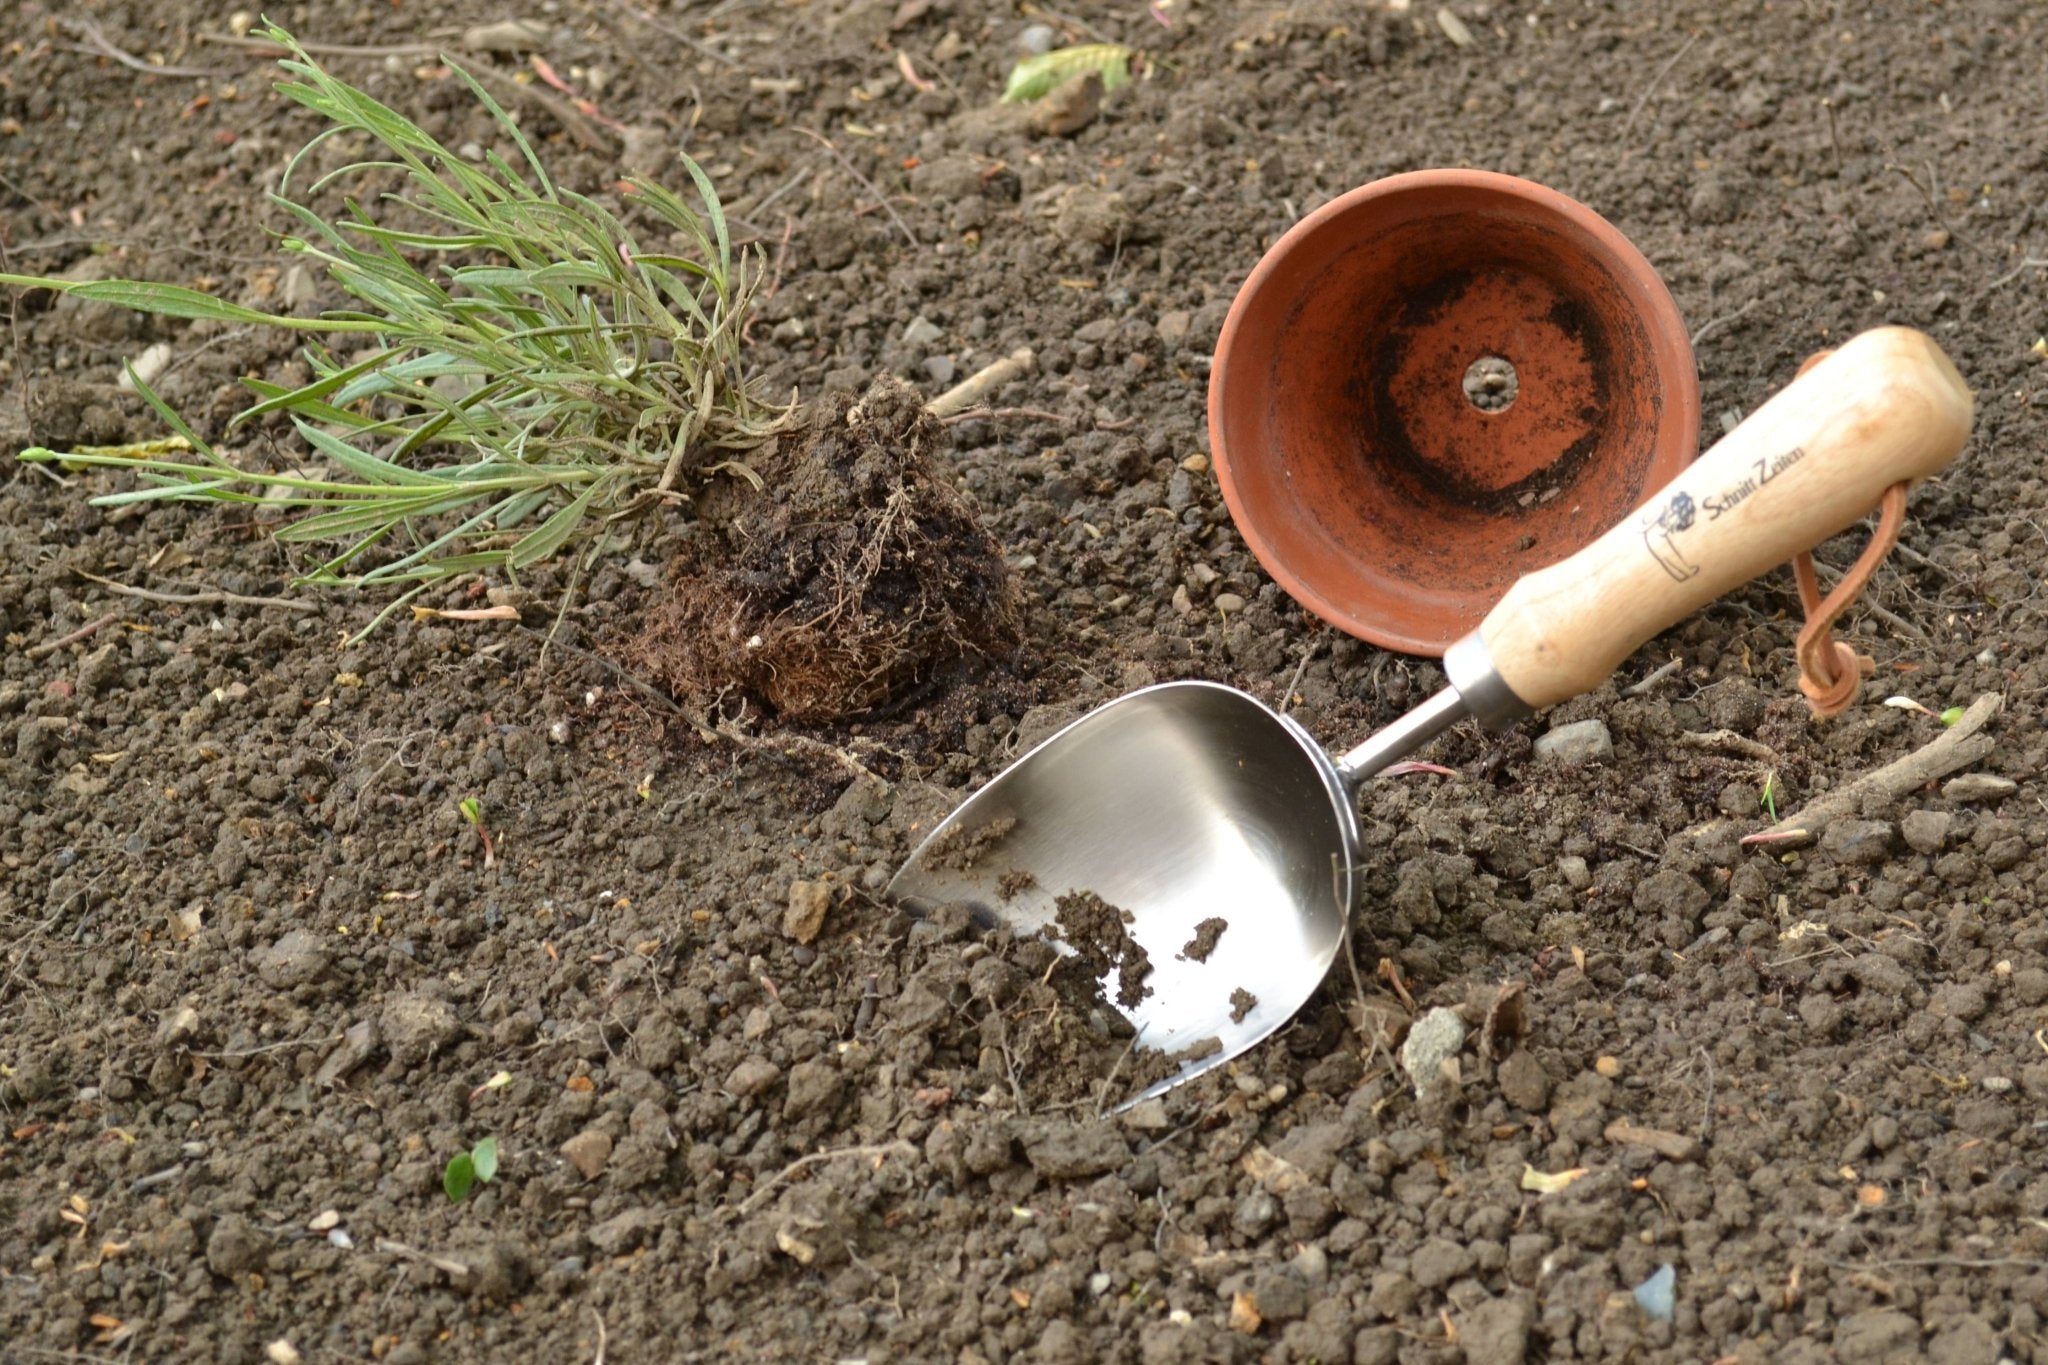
point(1435, 384)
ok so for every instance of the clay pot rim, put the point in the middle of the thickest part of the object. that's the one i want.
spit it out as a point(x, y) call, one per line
point(1670, 346)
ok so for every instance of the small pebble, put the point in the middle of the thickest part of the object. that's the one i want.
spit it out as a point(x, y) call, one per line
point(1998, 1085)
point(1978, 787)
point(1229, 602)
point(282, 1352)
point(1434, 1039)
point(1610, 1067)
point(589, 1152)
point(560, 731)
point(1036, 40)
point(153, 361)
point(1657, 1296)
point(1584, 741)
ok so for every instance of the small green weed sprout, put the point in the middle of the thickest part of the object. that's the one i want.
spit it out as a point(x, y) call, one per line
point(1036, 77)
point(1770, 796)
point(532, 374)
point(466, 1170)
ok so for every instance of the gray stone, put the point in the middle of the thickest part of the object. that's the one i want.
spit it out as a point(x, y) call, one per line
point(417, 1025)
point(1255, 1213)
point(358, 1041)
point(1877, 1334)
point(178, 1027)
point(1671, 894)
point(627, 1231)
point(234, 1247)
point(752, 1076)
point(1432, 1040)
point(921, 332)
point(1392, 1296)
point(1281, 1297)
point(588, 1152)
point(1496, 1332)
point(657, 1042)
point(1926, 831)
point(1583, 741)
point(298, 958)
point(1524, 1083)
point(814, 1088)
point(1172, 328)
point(647, 854)
point(1438, 1261)
point(1965, 1340)
point(1071, 1151)
point(1858, 841)
point(101, 670)
point(1978, 787)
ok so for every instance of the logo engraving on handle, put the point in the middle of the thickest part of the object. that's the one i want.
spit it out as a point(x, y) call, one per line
point(1678, 514)
point(1661, 530)
point(1761, 471)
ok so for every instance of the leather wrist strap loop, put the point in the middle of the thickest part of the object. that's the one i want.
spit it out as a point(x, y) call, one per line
point(1830, 672)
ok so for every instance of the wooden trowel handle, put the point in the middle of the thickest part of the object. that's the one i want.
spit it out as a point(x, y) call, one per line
point(1886, 406)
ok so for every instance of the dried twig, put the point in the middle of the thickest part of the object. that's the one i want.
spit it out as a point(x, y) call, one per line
point(969, 392)
point(1662, 672)
point(1956, 747)
point(954, 419)
point(49, 647)
point(1730, 742)
point(1713, 325)
point(455, 1270)
point(198, 598)
point(1651, 88)
point(327, 49)
point(2030, 263)
point(864, 183)
point(585, 131)
point(96, 41)
point(804, 1163)
point(239, 1053)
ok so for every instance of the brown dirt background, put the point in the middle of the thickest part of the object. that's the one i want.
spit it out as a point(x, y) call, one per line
point(253, 968)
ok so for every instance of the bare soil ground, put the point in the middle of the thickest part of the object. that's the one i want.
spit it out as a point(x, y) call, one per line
point(256, 971)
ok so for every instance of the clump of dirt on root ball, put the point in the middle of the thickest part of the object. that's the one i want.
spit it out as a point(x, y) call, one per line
point(855, 572)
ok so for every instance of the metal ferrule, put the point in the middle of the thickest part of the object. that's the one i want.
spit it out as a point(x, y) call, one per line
point(1487, 696)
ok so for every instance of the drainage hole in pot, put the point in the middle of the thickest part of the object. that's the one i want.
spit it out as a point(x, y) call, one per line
point(1490, 384)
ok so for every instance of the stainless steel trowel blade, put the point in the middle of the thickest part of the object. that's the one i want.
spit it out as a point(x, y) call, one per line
point(1179, 803)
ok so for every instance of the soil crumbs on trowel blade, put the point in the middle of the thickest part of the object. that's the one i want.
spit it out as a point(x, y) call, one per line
point(1099, 935)
point(1028, 1021)
point(1204, 942)
point(961, 847)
